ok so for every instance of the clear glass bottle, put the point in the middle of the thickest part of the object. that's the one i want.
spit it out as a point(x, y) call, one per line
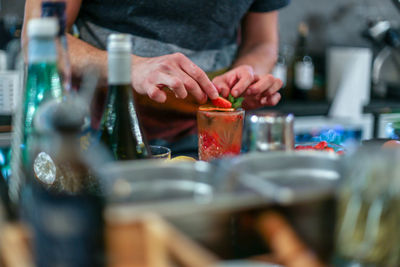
point(121, 131)
point(64, 202)
point(43, 82)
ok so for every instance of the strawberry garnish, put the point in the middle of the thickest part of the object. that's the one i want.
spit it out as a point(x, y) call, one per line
point(221, 102)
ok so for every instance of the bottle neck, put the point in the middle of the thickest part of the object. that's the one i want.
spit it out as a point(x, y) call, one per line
point(55, 9)
point(302, 45)
point(119, 68)
point(42, 50)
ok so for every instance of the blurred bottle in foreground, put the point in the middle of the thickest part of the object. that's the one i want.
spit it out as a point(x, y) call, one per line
point(303, 67)
point(64, 201)
point(368, 217)
point(121, 131)
point(43, 80)
point(59, 162)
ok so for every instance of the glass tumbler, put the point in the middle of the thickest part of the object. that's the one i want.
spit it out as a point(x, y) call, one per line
point(220, 133)
point(268, 131)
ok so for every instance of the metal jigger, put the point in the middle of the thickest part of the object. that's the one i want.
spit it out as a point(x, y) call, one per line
point(268, 131)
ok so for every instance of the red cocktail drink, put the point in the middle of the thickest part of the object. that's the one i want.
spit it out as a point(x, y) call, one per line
point(220, 132)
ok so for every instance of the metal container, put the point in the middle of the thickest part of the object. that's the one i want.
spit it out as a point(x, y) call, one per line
point(194, 196)
point(300, 185)
point(288, 177)
point(268, 131)
point(207, 201)
point(368, 217)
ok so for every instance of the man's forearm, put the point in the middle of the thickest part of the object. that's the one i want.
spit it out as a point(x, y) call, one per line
point(84, 55)
point(261, 57)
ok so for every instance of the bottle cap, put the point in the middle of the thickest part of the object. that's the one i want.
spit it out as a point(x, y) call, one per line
point(57, 10)
point(42, 27)
point(61, 116)
point(69, 116)
point(119, 42)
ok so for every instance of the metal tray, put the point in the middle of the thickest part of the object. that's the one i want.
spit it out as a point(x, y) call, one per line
point(250, 179)
point(206, 200)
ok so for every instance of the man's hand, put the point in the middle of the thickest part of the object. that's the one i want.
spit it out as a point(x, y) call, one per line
point(258, 90)
point(176, 72)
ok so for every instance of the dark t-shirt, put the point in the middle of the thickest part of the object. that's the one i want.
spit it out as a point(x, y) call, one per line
point(204, 30)
point(191, 24)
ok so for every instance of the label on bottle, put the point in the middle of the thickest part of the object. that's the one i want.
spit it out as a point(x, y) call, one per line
point(42, 50)
point(64, 223)
point(304, 75)
point(280, 72)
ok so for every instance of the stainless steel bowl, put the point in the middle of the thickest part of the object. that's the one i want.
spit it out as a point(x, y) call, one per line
point(207, 201)
point(300, 185)
point(186, 194)
point(288, 177)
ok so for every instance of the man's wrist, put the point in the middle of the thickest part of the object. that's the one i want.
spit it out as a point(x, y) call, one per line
point(261, 57)
point(137, 59)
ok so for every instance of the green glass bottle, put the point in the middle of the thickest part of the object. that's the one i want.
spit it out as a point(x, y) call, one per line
point(43, 83)
point(121, 131)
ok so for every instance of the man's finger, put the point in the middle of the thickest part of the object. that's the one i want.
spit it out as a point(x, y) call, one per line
point(243, 83)
point(173, 83)
point(261, 85)
point(245, 75)
point(193, 88)
point(157, 94)
point(198, 75)
point(221, 83)
point(271, 100)
point(275, 87)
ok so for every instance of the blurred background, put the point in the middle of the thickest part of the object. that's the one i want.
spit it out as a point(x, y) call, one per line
point(351, 44)
point(338, 22)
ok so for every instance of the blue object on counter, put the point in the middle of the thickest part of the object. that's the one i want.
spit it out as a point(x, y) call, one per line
point(337, 135)
point(392, 130)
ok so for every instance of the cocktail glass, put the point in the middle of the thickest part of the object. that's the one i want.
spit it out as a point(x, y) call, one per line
point(220, 133)
point(160, 152)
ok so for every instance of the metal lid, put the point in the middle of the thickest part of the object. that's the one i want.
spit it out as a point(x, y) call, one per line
point(119, 43)
point(61, 116)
